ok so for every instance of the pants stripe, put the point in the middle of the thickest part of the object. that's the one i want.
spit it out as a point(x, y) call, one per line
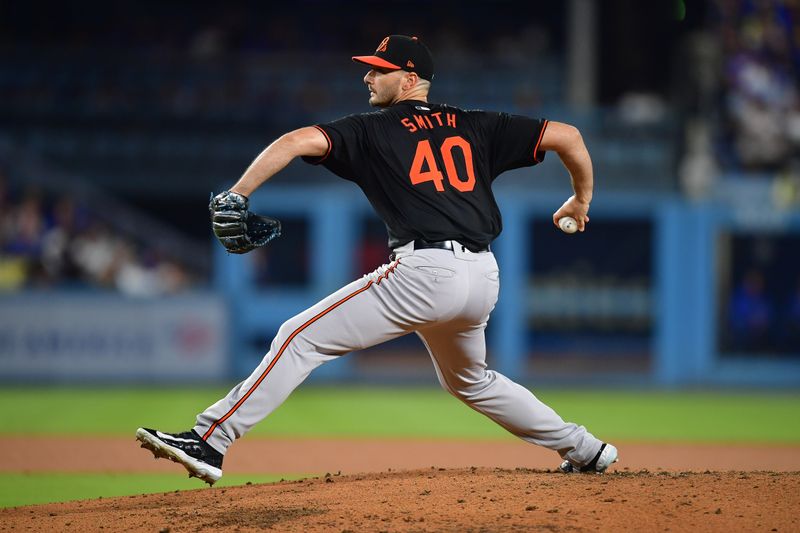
point(264, 374)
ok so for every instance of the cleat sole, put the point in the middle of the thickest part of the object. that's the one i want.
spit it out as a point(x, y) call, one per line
point(196, 468)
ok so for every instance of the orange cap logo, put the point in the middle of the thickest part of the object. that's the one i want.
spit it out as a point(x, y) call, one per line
point(409, 64)
point(382, 46)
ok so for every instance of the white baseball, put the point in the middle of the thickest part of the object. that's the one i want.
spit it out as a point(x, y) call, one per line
point(568, 224)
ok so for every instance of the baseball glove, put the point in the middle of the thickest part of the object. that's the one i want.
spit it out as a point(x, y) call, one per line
point(238, 229)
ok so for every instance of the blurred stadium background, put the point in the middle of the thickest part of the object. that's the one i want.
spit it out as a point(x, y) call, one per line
point(675, 318)
point(117, 119)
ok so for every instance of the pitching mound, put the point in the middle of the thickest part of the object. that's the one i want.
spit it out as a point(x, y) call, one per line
point(471, 499)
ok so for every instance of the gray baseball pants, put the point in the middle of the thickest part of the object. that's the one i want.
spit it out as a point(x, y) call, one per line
point(445, 297)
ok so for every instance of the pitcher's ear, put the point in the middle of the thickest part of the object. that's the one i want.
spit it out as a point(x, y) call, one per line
point(410, 80)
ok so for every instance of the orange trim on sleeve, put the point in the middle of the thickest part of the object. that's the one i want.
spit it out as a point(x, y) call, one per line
point(541, 135)
point(330, 144)
point(278, 355)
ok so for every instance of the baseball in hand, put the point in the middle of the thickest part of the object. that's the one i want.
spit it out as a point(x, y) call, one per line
point(568, 224)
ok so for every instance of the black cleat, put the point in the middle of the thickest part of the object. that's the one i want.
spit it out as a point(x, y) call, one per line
point(187, 448)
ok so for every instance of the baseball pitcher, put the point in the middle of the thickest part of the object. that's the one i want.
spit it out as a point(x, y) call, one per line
point(427, 169)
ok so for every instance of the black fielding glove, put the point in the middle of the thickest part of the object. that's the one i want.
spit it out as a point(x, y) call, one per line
point(238, 229)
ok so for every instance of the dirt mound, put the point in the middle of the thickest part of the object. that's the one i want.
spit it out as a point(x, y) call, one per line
point(314, 456)
point(470, 499)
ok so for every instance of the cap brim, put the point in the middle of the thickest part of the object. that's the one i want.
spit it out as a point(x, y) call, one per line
point(375, 61)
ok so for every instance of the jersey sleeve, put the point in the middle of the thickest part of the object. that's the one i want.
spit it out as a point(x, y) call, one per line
point(345, 145)
point(515, 140)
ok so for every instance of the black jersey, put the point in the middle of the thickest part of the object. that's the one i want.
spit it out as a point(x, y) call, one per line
point(427, 169)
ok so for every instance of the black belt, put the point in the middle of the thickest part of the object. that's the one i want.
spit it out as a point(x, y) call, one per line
point(421, 244)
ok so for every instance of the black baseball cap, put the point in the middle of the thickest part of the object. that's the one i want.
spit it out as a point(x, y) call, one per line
point(401, 52)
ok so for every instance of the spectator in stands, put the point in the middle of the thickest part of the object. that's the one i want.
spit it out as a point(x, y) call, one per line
point(131, 275)
point(762, 101)
point(790, 335)
point(58, 261)
point(750, 314)
point(95, 251)
point(5, 211)
point(173, 277)
point(145, 273)
point(13, 269)
point(66, 245)
point(25, 227)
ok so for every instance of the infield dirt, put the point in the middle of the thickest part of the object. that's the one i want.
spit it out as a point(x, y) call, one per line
point(448, 500)
point(676, 494)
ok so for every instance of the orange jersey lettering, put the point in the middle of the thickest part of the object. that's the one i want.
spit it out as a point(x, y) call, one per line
point(409, 125)
point(424, 122)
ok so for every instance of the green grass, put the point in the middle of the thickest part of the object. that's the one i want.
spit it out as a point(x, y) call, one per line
point(27, 489)
point(388, 412)
point(368, 412)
